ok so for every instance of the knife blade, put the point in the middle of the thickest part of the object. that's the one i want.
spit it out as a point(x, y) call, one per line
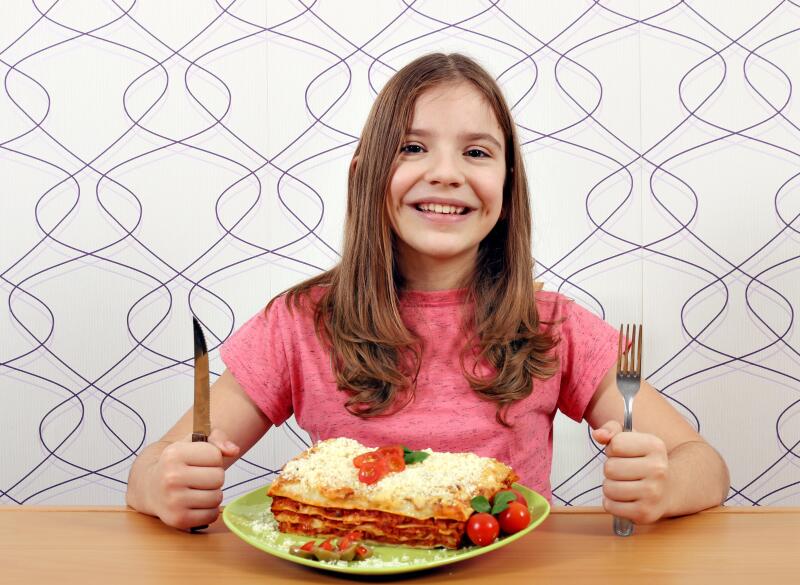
point(201, 425)
point(201, 411)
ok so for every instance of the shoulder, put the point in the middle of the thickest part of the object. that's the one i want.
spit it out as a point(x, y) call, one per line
point(566, 314)
point(294, 304)
point(552, 306)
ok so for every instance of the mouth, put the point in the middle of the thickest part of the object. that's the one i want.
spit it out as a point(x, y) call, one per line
point(441, 209)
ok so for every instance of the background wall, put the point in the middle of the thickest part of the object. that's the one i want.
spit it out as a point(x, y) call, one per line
point(163, 158)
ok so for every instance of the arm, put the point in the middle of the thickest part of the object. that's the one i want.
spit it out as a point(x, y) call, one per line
point(663, 468)
point(180, 481)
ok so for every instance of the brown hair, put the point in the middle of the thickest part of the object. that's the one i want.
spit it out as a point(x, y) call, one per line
point(374, 356)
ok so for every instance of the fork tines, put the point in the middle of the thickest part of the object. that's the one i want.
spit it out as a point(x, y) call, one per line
point(629, 352)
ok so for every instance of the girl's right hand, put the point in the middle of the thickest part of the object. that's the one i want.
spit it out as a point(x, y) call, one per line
point(186, 481)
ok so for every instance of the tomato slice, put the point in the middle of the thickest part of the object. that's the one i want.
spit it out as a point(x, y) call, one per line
point(364, 458)
point(328, 544)
point(392, 449)
point(394, 461)
point(308, 546)
point(372, 472)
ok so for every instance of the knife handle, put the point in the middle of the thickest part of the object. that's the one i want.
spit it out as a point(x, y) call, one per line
point(202, 438)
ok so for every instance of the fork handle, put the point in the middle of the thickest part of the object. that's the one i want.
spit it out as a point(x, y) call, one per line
point(627, 419)
point(622, 526)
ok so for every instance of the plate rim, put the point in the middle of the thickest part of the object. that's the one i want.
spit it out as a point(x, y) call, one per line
point(539, 504)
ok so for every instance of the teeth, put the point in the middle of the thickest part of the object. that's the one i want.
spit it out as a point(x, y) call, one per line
point(438, 208)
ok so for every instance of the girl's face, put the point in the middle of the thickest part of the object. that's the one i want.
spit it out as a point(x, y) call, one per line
point(446, 192)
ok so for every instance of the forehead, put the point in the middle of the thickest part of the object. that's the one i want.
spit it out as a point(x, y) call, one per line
point(455, 106)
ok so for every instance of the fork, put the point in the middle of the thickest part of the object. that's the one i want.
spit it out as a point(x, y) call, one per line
point(629, 377)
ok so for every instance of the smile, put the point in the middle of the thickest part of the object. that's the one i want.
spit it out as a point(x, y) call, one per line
point(438, 208)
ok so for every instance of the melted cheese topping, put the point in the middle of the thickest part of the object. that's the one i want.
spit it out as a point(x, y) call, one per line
point(440, 477)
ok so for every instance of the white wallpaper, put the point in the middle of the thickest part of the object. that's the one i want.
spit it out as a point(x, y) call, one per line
point(164, 158)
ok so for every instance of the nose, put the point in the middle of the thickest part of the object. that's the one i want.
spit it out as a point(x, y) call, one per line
point(444, 170)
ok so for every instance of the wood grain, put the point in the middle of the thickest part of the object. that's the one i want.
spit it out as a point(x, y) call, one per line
point(116, 545)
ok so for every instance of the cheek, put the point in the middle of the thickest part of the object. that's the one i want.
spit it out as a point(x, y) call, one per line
point(490, 190)
point(399, 185)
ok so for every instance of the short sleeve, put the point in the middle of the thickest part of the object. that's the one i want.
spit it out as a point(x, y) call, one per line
point(256, 357)
point(587, 350)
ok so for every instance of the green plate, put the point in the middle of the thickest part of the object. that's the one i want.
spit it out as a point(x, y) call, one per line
point(249, 517)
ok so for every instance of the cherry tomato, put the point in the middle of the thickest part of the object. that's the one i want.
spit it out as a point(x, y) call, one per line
point(392, 449)
point(394, 461)
point(514, 518)
point(520, 498)
point(482, 528)
point(372, 472)
point(364, 458)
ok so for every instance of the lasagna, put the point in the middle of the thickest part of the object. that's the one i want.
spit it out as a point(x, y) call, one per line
point(425, 505)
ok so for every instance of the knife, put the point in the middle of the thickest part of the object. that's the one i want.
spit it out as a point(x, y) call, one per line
point(201, 412)
point(201, 426)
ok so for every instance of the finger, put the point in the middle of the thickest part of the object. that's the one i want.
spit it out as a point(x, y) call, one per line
point(633, 444)
point(637, 512)
point(220, 439)
point(202, 454)
point(622, 509)
point(179, 454)
point(202, 499)
point(204, 478)
point(625, 468)
point(622, 491)
point(189, 518)
point(606, 432)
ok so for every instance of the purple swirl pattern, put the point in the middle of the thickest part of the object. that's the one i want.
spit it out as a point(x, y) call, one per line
point(168, 159)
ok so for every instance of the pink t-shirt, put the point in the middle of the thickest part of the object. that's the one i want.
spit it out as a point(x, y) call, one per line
point(281, 364)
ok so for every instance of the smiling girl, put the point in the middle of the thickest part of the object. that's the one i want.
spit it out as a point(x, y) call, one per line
point(430, 331)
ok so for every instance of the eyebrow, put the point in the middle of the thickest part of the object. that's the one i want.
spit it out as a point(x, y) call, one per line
point(464, 136)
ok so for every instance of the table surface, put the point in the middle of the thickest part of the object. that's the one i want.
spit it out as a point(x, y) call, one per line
point(573, 545)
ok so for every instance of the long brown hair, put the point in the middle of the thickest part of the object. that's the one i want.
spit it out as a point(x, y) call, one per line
point(374, 356)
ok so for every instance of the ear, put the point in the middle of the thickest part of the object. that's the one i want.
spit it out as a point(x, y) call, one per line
point(353, 164)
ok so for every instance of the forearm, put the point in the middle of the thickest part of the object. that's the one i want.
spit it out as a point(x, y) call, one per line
point(136, 496)
point(697, 479)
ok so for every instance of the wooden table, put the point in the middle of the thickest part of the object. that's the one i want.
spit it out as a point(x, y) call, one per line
point(115, 546)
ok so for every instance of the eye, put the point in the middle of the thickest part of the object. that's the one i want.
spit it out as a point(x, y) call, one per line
point(476, 153)
point(411, 148)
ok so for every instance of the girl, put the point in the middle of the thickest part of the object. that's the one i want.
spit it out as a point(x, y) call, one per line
point(429, 332)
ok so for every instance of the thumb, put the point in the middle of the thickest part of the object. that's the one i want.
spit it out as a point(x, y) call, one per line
point(220, 440)
point(604, 434)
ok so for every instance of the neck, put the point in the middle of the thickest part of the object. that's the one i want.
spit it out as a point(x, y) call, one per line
point(430, 274)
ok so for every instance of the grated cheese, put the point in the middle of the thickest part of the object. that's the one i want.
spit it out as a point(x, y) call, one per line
point(443, 476)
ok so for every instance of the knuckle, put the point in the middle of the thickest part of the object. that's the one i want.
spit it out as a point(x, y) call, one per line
point(660, 469)
point(218, 476)
point(172, 479)
point(169, 456)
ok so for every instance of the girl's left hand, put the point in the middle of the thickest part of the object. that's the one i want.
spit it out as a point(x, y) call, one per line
point(636, 473)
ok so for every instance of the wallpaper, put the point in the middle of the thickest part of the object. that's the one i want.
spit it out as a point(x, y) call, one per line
point(162, 159)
